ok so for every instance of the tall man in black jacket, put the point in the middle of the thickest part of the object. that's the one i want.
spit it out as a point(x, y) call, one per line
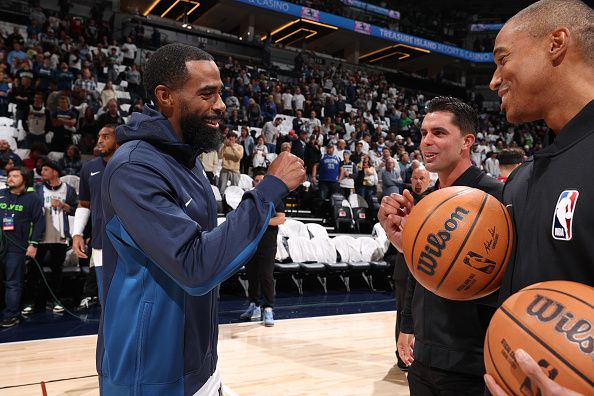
point(447, 335)
point(545, 71)
point(23, 226)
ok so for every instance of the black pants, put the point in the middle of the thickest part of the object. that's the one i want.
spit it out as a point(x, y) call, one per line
point(90, 288)
point(430, 381)
point(400, 280)
point(260, 270)
point(50, 255)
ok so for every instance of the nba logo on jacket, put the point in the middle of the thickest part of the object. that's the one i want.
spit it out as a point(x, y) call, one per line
point(563, 216)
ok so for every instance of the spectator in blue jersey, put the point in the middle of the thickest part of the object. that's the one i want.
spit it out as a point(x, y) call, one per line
point(22, 226)
point(89, 206)
point(64, 124)
point(165, 255)
point(7, 154)
point(326, 173)
point(64, 77)
point(260, 268)
point(269, 109)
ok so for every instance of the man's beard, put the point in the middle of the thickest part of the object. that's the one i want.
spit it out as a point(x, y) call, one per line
point(196, 132)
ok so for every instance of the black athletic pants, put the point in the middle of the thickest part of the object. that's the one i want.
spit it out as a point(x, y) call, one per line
point(430, 381)
point(260, 269)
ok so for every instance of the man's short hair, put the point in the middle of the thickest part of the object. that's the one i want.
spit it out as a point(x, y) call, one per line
point(511, 156)
point(259, 172)
point(167, 66)
point(25, 173)
point(542, 17)
point(463, 115)
point(232, 135)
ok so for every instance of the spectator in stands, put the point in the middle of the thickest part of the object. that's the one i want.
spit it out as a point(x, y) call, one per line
point(287, 101)
point(492, 164)
point(311, 154)
point(134, 79)
point(16, 54)
point(45, 73)
point(247, 142)
point(129, 52)
point(285, 146)
point(326, 173)
point(63, 124)
point(7, 154)
point(108, 93)
point(348, 174)
point(260, 153)
point(271, 132)
point(260, 268)
point(366, 182)
point(64, 77)
point(391, 178)
point(23, 229)
point(298, 101)
point(59, 200)
point(4, 95)
point(87, 127)
point(298, 122)
point(85, 87)
point(71, 162)
point(312, 122)
point(111, 116)
point(269, 109)
point(509, 159)
point(210, 162)
point(38, 121)
point(23, 97)
point(231, 154)
point(254, 113)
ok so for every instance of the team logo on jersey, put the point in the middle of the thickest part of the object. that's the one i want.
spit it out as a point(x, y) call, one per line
point(563, 216)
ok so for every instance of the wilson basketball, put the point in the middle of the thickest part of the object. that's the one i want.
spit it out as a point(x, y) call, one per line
point(553, 322)
point(457, 241)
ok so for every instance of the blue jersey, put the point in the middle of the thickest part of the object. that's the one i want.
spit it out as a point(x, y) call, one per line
point(329, 168)
point(90, 190)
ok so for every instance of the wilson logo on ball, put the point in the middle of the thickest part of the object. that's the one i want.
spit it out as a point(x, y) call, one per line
point(436, 243)
point(577, 331)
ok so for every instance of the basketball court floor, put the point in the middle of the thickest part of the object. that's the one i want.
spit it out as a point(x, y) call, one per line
point(322, 344)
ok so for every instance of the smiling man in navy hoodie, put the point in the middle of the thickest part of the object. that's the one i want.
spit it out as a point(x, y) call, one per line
point(164, 256)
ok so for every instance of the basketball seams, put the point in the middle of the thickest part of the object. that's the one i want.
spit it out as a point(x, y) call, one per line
point(487, 341)
point(476, 218)
point(507, 249)
point(544, 345)
point(427, 217)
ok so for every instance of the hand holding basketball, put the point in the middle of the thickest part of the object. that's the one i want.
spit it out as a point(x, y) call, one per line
point(547, 386)
point(392, 215)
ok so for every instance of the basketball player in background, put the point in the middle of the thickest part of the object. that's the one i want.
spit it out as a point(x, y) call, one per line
point(89, 205)
point(447, 336)
point(545, 71)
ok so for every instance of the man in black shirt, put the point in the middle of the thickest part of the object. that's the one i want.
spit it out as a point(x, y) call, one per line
point(448, 336)
point(545, 58)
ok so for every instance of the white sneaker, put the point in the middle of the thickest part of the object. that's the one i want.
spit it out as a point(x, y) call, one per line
point(58, 309)
point(28, 310)
point(253, 313)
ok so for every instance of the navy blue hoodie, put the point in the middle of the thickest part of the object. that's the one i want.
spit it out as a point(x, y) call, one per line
point(164, 257)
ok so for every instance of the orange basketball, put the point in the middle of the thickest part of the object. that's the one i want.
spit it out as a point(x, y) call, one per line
point(457, 241)
point(553, 322)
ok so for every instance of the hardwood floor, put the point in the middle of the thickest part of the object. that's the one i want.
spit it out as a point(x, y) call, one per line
point(332, 355)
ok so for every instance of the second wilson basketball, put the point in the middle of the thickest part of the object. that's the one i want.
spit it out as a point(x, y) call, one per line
point(457, 242)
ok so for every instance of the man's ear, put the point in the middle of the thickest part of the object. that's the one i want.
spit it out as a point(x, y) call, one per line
point(164, 100)
point(558, 45)
point(469, 141)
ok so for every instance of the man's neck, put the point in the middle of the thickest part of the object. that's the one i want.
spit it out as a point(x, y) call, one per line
point(17, 190)
point(448, 177)
point(54, 183)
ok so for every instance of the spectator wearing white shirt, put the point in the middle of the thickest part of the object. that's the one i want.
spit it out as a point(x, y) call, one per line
point(129, 51)
point(312, 122)
point(287, 101)
point(298, 100)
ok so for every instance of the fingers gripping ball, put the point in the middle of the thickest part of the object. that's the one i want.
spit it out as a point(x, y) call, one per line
point(553, 322)
point(457, 242)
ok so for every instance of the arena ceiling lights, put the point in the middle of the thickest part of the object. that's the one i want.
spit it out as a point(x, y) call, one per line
point(173, 9)
point(397, 52)
point(298, 31)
